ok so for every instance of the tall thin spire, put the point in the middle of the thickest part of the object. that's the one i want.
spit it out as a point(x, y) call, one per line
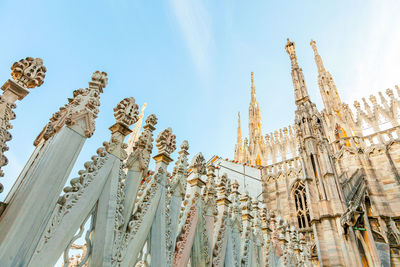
point(317, 57)
point(239, 141)
point(255, 125)
point(300, 88)
point(326, 84)
point(253, 88)
point(239, 130)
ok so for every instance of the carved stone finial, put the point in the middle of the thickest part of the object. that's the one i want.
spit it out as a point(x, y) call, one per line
point(224, 190)
point(182, 162)
point(198, 164)
point(100, 78)
point(28, 72)
point(211, 170)
point(235, 186)
point(185, 145)
point(246, 206)
point(372, 98)
point(254, 204)
point(357, 104)
point(210, 191)
point(126, 112)
point(151, 121)
point(389, 93)
point(166, 142)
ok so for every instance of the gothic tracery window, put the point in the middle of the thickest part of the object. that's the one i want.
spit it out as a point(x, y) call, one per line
point(302, 210)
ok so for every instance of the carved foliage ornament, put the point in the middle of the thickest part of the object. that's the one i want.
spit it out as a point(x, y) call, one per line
point(127, 112)
point(83, 104)
point(100, 78)
point(166, 141)
point(28, 72)
point(198, 164)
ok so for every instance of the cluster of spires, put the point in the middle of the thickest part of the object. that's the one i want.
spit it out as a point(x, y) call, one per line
point(277, 142)
point(281, 144)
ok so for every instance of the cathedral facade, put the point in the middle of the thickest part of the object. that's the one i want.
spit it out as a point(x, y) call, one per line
point(334, 173)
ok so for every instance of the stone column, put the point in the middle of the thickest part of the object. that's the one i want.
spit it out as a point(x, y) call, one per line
point(45, 174)
point(137, 165)
point(26, 74)
point(108, 217)
point(178, 190)
point(160, 238)
point(220, 230)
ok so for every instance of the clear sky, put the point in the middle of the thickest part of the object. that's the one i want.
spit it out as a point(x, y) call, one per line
point(191, 61)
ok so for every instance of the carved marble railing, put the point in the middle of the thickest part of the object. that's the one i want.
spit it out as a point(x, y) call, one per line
point(378, 138)
point(382, 137)
point(374, 114)
point(280, 145)
point(277, 146)
point(274, 169)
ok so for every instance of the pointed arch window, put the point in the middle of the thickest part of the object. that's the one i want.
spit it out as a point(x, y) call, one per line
point(302, 209)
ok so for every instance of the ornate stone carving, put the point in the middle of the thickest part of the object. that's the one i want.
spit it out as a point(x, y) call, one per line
point(182, 162)
point(183, 237)
point(28, 72)
point(143, 202)
point(5, 136)
point(166, 142)
point(80, 112)
point(100, 79)
point(74, 192)
point(209, 192)
point(198, 164)
point(126, 114)
point(142, 149)
point(180, 170)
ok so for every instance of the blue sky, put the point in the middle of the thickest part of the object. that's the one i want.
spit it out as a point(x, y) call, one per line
point(191, 61)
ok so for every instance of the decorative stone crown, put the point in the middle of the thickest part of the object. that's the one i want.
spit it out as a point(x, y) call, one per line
point(198, 164)
point(28, 72)
point(166, 142)
point(100, 79)
point(126, 112)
